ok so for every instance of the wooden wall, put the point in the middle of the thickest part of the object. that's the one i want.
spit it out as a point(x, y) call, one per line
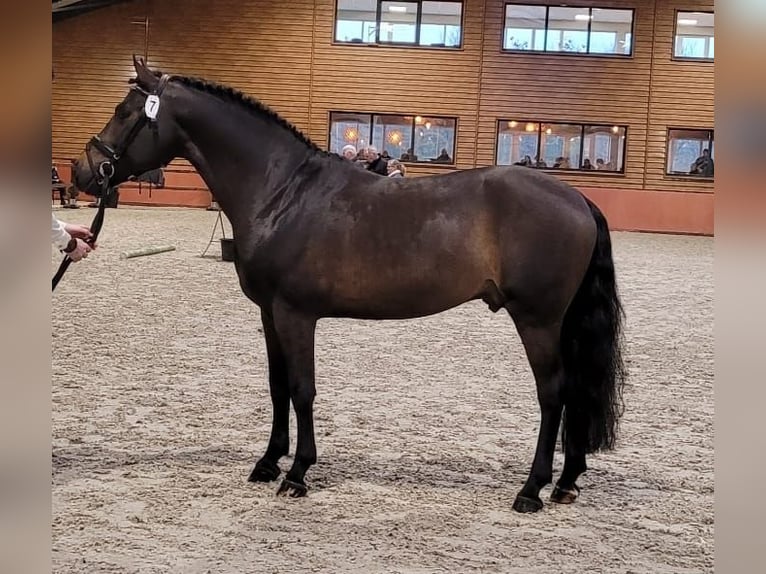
point(283, 53)
point(681, 95)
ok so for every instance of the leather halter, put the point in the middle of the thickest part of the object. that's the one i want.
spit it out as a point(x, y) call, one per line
point(113, 153)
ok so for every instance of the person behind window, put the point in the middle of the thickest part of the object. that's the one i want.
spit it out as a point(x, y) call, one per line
point(586, 164)
point(540, 162)
point(527, 161)
point(348, 152)
point(409, 155)
point(443, 157)
point(375, 162)
point(395, 168)
point(703, 165)
point(600, 164)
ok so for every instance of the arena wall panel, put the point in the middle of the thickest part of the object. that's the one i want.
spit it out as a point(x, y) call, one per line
point(284, 54)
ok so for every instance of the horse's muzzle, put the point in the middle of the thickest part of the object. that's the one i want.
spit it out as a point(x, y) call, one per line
point(84, 179)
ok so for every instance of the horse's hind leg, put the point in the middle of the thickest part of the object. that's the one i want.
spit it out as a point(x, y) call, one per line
point(566, 490)
point(266, 469)
point(542, 345)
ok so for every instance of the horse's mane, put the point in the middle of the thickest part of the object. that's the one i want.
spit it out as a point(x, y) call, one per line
point(249, 102)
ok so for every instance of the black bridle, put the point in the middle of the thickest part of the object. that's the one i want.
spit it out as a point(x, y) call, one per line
point(106, 168)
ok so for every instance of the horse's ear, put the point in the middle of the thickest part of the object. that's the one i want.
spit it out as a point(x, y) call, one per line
point(144, 77)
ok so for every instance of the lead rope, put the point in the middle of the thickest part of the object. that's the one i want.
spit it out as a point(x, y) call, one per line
point(95, 226)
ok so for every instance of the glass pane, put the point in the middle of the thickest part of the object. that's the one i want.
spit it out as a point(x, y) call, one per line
point(435, 139)
point(517, 143)
point(393, 135)
point(572, 27)
point(603, 148)
point(524, 27)
point(345, 129)
point(694, 35)
point(610, 31)
point(355, 21)
point(440, 24)
point(398, 22)
point(560, 145)
point(690, 47)
point(689, 153)
point(603, 43)
point(628, 46)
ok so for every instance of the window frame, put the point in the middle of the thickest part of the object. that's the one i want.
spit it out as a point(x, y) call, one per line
point(372, 115)
point(578, 170)
point(687, 176)
point(418, 23)
point(587, 53)
point(673, 56)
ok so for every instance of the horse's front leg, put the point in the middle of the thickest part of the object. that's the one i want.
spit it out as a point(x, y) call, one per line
point(296, 336)
point(267, 469)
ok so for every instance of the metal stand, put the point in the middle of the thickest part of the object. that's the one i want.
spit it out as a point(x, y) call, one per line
point(218, 221)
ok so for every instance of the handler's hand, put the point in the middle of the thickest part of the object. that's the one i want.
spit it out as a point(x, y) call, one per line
point(78, 231)
point(80, 252)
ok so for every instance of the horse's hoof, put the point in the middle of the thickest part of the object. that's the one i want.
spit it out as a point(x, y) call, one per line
point(292, 489)
point(526, 504)
point(565, 495)
point(264, 471)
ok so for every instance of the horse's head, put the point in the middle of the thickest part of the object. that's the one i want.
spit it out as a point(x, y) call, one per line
point(140, 136)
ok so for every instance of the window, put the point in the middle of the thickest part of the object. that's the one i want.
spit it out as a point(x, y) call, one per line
point(560, 145)
point(406, 23)
point(354, 129)
point(524, 28)
point(604, 147)
point(611, 31)
point(690, 153)
point(572, 30)
point(440, 24)
point(694, 36)
point(551, 145)
point(567, 29)
point(356, 21)
point(410, 138)
point(398, 23)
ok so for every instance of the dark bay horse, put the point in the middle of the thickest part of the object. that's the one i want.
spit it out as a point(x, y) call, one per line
point(317, 237)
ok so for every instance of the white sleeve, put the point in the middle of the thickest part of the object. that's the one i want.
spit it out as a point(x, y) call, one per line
point(60, 237)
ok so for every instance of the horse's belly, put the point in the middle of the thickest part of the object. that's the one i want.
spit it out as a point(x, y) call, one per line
point(412, 287)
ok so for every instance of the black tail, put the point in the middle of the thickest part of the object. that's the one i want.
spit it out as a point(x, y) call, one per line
point(591, 343)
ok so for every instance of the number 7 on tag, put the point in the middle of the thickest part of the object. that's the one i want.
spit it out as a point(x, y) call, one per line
point(152, 106)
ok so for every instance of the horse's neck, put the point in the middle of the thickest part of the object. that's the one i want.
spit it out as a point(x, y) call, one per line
point(243, 157)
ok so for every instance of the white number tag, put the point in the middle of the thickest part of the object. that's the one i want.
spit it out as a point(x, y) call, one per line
point(152, 106)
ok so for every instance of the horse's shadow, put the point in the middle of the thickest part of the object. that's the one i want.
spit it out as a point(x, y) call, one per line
point(97, 459)
point(334, 470)
point(448, 470)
